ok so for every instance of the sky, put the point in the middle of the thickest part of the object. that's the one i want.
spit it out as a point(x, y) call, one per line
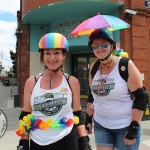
point(8, 25)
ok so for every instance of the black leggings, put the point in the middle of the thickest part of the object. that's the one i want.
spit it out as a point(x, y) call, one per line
point(69, 142)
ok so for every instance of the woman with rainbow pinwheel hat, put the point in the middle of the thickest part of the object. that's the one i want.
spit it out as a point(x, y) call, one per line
point(117, 99)
point(52, 117)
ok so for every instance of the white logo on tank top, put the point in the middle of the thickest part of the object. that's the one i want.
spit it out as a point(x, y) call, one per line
point(50, 103)
point(109, 85)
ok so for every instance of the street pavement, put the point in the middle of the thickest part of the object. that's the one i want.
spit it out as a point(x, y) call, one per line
point(10, 140)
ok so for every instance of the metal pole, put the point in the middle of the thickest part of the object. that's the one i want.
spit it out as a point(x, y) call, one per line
point(2, 55)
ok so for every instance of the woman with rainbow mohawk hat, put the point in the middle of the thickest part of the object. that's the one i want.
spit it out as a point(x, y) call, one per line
point(117, 99)
point(52, 118)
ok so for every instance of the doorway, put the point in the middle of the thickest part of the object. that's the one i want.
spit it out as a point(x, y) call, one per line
point(81, 64)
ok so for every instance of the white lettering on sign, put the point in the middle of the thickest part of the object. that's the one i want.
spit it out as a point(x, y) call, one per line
point(66, 28)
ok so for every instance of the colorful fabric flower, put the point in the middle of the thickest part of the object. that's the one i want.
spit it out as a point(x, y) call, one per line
point(76, 120)
point(119, 52)
point(30, 123)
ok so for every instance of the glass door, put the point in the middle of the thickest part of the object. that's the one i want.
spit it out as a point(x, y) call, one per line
point(81, 64)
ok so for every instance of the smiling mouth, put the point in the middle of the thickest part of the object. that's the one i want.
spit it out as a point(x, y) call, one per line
point(53, 63)
point(100, 51)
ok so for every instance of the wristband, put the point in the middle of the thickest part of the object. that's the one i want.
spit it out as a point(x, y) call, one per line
point(88, 121)
point(132, 130)
point(84, 143)
point(23, 144)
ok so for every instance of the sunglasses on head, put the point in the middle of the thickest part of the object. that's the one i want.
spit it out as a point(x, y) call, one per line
point(95, 46)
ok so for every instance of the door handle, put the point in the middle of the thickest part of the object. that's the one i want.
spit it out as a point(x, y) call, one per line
point(85, 75)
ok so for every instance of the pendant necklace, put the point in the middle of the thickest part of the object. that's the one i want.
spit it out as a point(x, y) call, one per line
point(109, 64)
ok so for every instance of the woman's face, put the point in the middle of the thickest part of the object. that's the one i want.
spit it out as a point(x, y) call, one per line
point(101, 48)
point(53, 58)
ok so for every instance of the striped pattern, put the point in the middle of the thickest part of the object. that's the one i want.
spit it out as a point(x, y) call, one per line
point(53, 40)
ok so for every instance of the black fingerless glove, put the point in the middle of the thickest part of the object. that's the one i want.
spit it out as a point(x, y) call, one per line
point(88, 120)
point(132, 130)
point(23, 145)
point(84, 143)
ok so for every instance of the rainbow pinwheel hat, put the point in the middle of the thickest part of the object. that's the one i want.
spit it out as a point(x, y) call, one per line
point(53, 40)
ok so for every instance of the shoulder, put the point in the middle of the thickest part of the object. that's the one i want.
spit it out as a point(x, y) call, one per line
point(74, 83)
point(30, 81)
point(132, 66)
point(134, 75)
point(132, 69)
point(73, 80)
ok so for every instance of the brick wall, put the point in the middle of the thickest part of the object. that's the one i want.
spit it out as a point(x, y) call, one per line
point(136, 40)
point(24, 57)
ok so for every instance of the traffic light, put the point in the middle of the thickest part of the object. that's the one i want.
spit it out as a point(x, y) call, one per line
point(13, 58)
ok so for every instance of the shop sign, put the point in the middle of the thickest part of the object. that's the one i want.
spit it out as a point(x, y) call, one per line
point(147, 3)
point(67, 27)
point(68, 23)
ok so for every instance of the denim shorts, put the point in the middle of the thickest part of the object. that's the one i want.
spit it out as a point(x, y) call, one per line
point(114, 137)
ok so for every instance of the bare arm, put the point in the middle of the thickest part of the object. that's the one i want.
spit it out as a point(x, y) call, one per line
point(75, 87)
point(90, 77)
point(90, 113)
point(29, 85)
point(134, 83)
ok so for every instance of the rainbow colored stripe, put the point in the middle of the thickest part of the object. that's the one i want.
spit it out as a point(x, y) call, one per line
point(95, 46)
point(30, 123)
point(53, 40)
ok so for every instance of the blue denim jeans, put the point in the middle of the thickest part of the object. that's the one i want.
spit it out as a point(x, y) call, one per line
point(114, 137)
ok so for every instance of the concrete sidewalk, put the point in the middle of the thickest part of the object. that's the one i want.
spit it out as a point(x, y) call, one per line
point(10, 140)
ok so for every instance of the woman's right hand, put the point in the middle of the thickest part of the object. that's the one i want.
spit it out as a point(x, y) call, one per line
point(89, 128)
point(88, 123)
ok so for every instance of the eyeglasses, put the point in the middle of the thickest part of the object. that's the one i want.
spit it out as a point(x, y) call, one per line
point(95, 46)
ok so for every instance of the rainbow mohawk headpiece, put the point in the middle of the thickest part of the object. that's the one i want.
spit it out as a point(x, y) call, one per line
point(54, 40)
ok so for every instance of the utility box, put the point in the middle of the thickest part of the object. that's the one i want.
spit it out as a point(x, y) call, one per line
point(16, 101)
point(6, 82)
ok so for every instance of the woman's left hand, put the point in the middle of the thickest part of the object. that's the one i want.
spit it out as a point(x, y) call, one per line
point(128, 141)
point(131, 134)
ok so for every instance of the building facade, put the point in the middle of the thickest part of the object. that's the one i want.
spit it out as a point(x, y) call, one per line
point(38, 17)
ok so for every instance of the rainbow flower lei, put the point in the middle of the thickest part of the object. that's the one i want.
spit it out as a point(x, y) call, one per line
point(119, 52)
point(30, 123)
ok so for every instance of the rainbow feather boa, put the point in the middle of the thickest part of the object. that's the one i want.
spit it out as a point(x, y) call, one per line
point(119, 52)
point(30, 123)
